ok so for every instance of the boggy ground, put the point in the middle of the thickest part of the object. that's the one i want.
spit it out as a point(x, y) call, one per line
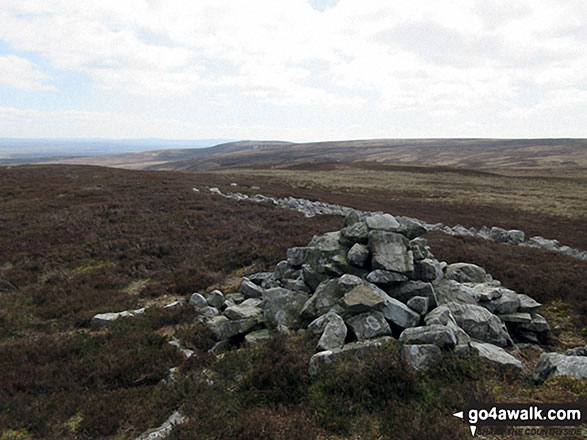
point(76, 241)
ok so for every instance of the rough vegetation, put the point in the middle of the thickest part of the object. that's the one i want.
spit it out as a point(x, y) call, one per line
point(77, 241)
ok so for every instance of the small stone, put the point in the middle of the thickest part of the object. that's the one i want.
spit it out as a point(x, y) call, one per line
point(422, 356)
point(419, 304)
point(198, 301)
point(358, 255)
point(215, 299)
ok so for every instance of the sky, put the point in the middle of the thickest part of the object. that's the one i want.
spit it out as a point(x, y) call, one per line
point(298, 70)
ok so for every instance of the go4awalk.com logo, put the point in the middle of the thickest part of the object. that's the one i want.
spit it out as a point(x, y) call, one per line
point(516, 418)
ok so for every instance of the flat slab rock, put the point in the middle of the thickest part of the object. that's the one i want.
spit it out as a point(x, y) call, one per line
point(348, 351)
point(556, 364)
point(165, 429)
point(496, 355)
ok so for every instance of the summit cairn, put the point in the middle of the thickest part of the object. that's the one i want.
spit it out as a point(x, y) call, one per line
point(376, 280)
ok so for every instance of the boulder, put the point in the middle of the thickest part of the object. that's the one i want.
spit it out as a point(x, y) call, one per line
point(215, 299)
point(283, 307)
point(369, 325)
point(480, 323)
point(347, 351)
point(420, 249)
point(538, 324)
point(422, 356)
point(441, 335)
point(236, 298)
point(427, 269)
point(223, 328)
point(486, 291)
point(385, 277)
point(389, 251)
point(441, 315)
point(358, 255)
point(555, 364)
point(318, 325)
point(312, 277)
point(419, 304)
point(258, 337)
point(382, 222)
point(361, 299)
point(198, 301)
point(259, 277)
point(465, 273)
point(327, 294)
point(496, 355)
point(508, 302)
point(528, 304)
point(105, 319)
point(410, 228)
point(453, 291)
point(399, 314)
point(334, 333)
point(516, 318)
point(577, 351)
point(243, 311)
point(356, 233)
point(406, 291)
point(351, 218)
point(348, 282)
point(250, 289)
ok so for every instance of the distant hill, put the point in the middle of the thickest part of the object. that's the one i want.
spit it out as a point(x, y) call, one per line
point(465, 153)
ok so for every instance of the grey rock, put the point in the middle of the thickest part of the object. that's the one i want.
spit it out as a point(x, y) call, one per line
point(206, 313)
point(382, 222)
point(327, 294)
point(259, 277)
point(258, 337)
point(555, 364)
point(480, 323)
point(221, 346)
point(515, 236)
point(528, 304)
point(465, 273)
point(385, 277)
point(250, 289)
point(312, 277)
point(334, 334)
point(347, 351)
point(441, 335)
point(356, 233)
point(174, 304)
point(283, 307)
point(105, 319)
point(242, 311)
point(441, 315)
point(406, 291)
point(538, 324)
point(253, 302)
point(223, 328)
point(453, 291)
point(516, 318)
point(351, 218)
point(508, 302)
point(369, 325)
point(165, 429)
point(422, 356)
point(198, 301)
point(427, 270)
point(486, 291)
point(419, 304)
point(318, 325)
point(358, 255)
point(420, 249)
point(399, 314)
point(496, 355)
point(577, 351)
point(361, 299)
point(498, 234)
point(348, 282)
point(215, 299)
point(236, 298)
point(410, 227)
point(300, 255)
point(389, 251)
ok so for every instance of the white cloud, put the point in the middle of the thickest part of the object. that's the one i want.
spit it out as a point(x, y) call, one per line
point(20, 73)
point(446, 59)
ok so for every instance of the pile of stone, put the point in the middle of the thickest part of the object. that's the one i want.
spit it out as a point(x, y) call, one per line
point(374, 280)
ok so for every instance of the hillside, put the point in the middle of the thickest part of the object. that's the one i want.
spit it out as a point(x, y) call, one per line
point(80, 240)
point(462, 153)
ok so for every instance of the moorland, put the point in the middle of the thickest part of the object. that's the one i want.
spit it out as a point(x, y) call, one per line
point(77, 240)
